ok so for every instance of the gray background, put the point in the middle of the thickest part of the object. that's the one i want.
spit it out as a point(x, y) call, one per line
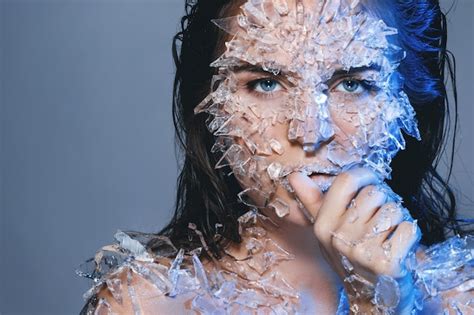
point(86, 142)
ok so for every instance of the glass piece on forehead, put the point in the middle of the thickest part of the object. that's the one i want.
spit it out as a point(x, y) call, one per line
point(114, 285)
point(233, 156)
point(225, 62)
point(330, 10)
point(254, 12)
point(271, 66)
point(253, 196)
point(227, 24)
point(281, 6)
point(129, 244)
point(387, 293)
point(299, 12)
point(276, 146)
point(281, 208)
point(353, 4)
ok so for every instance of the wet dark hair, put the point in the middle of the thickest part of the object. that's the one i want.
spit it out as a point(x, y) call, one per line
point(206, 196)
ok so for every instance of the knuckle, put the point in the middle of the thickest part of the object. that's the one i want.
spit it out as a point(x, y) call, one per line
point(339, 245)
point(321, 232)
point(360, 254)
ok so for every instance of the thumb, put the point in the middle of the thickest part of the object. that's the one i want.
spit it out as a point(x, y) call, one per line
point(307, 192)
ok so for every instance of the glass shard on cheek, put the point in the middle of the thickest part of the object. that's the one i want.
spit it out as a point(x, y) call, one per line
point(281, 208)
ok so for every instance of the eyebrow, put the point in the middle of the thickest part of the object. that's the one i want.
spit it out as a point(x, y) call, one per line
point(339, 73)
point(258, 68)
point(343, 72)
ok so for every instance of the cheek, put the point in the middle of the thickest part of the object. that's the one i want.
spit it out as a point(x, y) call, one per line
point(353, 118)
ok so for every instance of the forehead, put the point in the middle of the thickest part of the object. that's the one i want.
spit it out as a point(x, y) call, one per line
point(302, 34)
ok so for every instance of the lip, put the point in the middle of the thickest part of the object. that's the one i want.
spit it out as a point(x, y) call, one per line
point(319, 169)
point(324, 181)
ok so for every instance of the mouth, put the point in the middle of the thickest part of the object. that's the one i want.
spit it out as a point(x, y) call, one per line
point(324, 181)
point(318, 169)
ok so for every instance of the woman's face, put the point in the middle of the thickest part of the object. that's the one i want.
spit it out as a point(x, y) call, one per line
point(305, 86)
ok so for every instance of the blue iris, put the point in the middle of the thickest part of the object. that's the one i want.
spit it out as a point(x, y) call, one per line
point(350, 85)
point(268, 85)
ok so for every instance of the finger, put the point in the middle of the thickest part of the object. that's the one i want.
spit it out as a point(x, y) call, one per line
point(345, 187)
point(384, 221)
point(365, 205)
point(307, 192)
point(337, 200)
point(405, 236)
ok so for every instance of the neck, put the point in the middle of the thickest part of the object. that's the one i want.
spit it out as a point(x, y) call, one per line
point(306, 271)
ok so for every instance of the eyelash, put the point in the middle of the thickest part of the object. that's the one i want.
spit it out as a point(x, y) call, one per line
point(367, 85)
point(252, 87)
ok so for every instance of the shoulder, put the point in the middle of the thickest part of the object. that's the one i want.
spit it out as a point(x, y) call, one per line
point(127, 292)
point(130, 277)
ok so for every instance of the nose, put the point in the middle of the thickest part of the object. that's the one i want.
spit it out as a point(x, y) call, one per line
point(315, 127)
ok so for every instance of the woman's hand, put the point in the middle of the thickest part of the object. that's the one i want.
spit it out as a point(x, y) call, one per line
point(363, 234)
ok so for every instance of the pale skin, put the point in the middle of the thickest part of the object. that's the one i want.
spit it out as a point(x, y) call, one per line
point(317, 269)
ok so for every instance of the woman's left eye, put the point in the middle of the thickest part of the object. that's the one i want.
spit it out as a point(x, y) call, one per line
point(351, 86)
point(266, 86)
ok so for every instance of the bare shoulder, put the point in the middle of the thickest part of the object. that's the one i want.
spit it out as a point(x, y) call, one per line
point(126, 292)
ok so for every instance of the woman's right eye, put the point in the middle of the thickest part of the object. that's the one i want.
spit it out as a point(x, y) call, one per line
point(265, 86)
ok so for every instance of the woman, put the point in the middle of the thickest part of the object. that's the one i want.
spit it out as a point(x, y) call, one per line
point(288, 200)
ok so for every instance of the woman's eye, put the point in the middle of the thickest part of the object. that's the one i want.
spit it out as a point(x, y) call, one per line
point(351, 86)
point(266, 86)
